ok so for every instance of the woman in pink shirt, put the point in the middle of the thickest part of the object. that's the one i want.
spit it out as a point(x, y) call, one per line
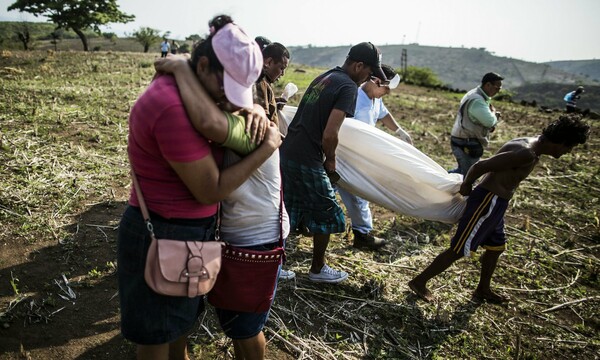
point(179, 174)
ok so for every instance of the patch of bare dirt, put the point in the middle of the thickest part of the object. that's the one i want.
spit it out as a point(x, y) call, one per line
point(45, 325)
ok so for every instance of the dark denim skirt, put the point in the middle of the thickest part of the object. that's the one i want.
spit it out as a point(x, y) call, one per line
point(148, 318)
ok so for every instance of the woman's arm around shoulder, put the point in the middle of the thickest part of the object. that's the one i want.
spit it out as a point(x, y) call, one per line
point(209, 184)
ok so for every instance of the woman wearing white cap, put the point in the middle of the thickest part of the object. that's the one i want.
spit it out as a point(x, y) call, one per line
point(180, 177)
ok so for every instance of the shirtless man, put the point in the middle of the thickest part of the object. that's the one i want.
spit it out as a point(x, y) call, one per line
point(482, 223)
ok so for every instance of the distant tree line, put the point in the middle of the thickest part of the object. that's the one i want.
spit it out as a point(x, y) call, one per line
point(149, 37)
point(32, 35)
point(79, 16)
point(421, 76)
point(25, 35)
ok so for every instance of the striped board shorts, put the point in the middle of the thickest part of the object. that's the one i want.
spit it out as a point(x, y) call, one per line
point(482, 223)
point(310, 199)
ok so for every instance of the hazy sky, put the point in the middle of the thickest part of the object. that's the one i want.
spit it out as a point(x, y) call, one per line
point(532, 30)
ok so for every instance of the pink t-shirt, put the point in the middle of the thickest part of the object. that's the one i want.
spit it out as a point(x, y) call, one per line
point(160, 131)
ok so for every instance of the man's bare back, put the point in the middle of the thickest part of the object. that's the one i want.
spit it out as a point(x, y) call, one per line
point(501, 175)
point(506, 169)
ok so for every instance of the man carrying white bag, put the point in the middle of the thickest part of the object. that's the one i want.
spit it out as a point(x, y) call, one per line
point(392, 173)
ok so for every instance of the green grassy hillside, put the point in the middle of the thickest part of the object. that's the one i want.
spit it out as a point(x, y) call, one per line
point(69, 41)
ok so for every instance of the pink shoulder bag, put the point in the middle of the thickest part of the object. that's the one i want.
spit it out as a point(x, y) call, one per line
point(179, 267)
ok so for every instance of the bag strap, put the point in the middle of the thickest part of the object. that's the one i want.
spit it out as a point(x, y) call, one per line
point(141, 201)
point(195, 270)
point(281, 213)
point(218, 227)
point(284, 256)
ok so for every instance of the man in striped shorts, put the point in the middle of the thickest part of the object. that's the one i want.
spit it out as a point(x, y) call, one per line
point(482, 223)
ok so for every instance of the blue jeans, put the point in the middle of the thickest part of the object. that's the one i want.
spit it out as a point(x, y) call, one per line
point(358, 211)
point(467, 152)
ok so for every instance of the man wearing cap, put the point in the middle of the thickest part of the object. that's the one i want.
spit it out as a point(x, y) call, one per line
point(571, 99)
point(476, 118)
point(276, 59)
point(370, 109)
point(308, 153)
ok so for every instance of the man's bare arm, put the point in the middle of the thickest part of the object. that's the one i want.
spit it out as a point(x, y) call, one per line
point(209, 185)
point(500, 162)
point(330, 137)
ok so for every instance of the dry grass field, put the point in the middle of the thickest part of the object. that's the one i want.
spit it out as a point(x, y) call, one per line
point(64, 183)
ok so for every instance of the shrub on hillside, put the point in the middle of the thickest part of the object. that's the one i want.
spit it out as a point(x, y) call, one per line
point(421, 76)
point(111, 36)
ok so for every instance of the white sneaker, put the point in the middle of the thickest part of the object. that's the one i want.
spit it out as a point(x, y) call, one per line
point(328, 275)
point(286, 274)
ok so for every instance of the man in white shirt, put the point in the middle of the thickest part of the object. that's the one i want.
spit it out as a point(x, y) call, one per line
point(164, 48)
point(370, 109)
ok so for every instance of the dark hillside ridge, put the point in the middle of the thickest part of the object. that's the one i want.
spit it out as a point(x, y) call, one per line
point(551, 95)
point(459, 68)
point(586, 68)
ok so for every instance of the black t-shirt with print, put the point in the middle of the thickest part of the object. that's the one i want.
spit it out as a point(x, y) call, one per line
point(333, 89)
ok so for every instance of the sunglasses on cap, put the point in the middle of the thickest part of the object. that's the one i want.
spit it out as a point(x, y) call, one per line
point(392, 84)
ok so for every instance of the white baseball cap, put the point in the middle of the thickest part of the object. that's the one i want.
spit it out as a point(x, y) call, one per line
point(242, 62)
